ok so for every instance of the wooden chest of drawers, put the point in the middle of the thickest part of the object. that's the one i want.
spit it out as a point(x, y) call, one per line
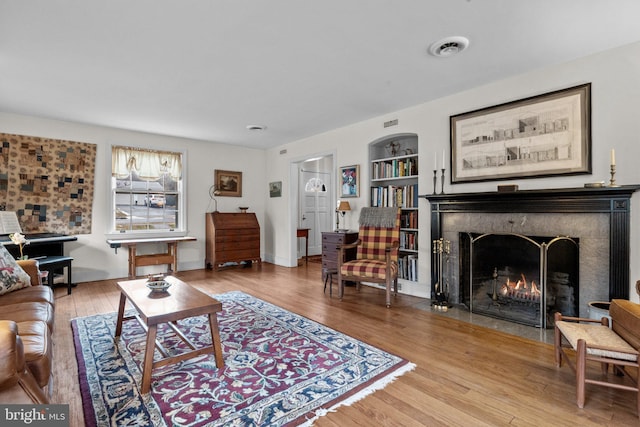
point(231, 237)
point(330, 242)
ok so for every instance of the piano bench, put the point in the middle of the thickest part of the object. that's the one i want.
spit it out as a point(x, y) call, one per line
point(53, 263)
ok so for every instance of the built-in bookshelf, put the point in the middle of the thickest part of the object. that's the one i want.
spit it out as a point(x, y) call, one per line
point(394, 182)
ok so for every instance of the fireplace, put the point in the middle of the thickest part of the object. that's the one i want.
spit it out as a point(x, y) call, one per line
point(593, 222)
point(523, 279)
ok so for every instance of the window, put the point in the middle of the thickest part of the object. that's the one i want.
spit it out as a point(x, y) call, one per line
point(147, 190)
point(315, 185)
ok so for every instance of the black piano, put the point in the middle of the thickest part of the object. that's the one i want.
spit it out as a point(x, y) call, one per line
point(48, 249)
point(40, 244)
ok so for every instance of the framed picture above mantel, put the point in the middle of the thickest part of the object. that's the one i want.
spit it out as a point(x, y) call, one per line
point(544, 135)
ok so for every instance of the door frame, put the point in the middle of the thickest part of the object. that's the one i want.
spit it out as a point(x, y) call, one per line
point(320, 214)
point(294, 201)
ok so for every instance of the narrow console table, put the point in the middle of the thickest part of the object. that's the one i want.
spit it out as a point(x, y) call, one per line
point(304, 232)
point(170, 257)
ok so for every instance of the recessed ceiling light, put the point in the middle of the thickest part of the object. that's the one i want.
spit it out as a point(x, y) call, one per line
point(256, 127)
point(449, 46)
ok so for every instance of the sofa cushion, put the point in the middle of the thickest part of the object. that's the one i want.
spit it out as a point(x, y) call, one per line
point(36, 339)
point(31, 267)
point(12, 276)
point(10, 353)
point(30, 294)
point(26, 311)
point(368, 268)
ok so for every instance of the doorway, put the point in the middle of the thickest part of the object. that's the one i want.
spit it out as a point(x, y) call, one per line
point(315, 195)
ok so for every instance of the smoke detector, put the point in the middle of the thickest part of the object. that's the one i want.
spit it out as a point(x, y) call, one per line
point(256, 127)
point(449, 46)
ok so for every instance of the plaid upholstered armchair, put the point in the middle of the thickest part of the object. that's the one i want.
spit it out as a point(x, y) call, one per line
point(377, 251)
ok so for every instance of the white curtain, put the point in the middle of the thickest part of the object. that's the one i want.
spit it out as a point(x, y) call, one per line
point(148, 164)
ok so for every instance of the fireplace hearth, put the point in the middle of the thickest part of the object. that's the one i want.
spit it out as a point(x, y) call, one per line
point(596, 219)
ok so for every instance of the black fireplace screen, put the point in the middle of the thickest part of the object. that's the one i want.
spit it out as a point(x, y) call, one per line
point(523, 279)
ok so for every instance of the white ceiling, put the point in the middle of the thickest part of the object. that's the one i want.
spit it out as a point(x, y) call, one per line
point(206, 69)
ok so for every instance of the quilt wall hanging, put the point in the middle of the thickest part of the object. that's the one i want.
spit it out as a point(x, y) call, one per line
point(49, 183)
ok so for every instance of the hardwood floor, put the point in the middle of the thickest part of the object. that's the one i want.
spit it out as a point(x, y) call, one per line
point(466, 375)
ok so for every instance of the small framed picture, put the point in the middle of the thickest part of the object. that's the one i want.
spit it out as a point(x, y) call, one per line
point(350, 181)
point(275, 189)
point(228, 183)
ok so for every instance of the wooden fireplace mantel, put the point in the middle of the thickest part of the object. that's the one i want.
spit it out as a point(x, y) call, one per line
point(614, 201)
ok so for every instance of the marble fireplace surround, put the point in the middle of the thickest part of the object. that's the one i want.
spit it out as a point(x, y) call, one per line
point(598, 217)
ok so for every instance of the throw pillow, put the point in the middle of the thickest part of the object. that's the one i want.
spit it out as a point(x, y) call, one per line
point(12, 276)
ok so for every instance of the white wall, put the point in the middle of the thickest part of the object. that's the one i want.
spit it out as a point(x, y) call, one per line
point(615, 78)
point(93, 259)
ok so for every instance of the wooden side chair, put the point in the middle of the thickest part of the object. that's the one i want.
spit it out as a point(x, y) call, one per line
point(377, 251)
point(594, 341)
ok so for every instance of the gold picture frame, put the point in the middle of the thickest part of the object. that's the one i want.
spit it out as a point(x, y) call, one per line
point(228, 183)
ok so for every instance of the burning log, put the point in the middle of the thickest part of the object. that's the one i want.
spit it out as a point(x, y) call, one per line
point(520, 290)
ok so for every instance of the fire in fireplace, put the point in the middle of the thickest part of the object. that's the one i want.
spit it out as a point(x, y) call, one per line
point(520, 290)
point(523, 279)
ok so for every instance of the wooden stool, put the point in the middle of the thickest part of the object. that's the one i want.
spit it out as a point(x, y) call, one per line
point(594, 341)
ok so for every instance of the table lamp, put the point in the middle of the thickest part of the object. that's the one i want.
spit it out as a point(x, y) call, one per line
point(343, 207)
point(213, 192)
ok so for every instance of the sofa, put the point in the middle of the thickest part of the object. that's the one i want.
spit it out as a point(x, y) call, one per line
point(26, 351)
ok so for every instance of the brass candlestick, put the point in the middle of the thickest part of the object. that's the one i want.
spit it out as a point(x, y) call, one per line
point(612, 182)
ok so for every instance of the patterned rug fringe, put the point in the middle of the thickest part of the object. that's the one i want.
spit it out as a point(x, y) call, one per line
point(378, 385)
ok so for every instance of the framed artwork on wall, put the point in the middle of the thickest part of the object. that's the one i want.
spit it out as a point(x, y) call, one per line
point(544, 135)
point(228, 183)
point(350, 181)
point(275, 189)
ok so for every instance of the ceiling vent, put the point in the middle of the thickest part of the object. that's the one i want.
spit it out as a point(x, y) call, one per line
point(449, 46)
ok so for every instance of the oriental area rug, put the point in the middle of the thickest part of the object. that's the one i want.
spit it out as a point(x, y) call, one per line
point(280, 369)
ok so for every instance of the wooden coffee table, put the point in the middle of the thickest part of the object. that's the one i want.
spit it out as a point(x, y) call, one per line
point(178, 302)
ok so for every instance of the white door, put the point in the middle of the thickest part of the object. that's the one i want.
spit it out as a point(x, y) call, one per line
point(315, 209)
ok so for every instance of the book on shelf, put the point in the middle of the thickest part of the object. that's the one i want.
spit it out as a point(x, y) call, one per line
point(395, 168)
point(409, 219)
point(408, 267)
point(408, 240)
point(405, 196)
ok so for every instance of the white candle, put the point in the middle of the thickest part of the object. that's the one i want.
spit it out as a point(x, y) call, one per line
point(443, 167)
point(435, 161)
point(613, 157)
